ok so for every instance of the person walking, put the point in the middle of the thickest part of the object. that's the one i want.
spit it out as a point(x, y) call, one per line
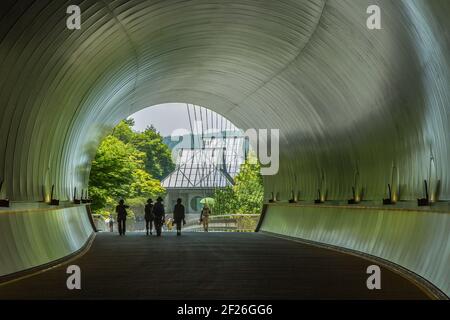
point(179, 216)
point(159, 213)
point(204, 217)
point(121, 216)
point(149, 216)
point(111, 223)
point(169, 223)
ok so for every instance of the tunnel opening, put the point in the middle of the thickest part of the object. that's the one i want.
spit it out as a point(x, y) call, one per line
point(176, 151)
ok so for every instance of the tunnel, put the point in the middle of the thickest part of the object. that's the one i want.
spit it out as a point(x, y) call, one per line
point(355, 107)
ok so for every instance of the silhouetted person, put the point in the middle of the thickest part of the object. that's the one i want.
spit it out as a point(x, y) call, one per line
point(149, 216)
point(158, 212)
point(204, 217)
point(178, 216)
point(121, 216)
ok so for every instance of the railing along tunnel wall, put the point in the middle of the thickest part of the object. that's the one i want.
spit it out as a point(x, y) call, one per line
point(416, 240)
point(346, 99)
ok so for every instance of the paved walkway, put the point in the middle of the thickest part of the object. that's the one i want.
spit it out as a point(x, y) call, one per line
point(211, 266)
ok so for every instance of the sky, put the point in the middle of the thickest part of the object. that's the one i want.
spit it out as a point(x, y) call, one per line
point(164, 117)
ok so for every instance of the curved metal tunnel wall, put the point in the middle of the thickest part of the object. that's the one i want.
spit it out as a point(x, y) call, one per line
point(345, 98)
point(35, 236)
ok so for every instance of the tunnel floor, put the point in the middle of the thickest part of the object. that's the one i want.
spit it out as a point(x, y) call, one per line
point(211, 266)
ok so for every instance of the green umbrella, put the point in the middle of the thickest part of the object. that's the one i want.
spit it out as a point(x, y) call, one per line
point(208, 201)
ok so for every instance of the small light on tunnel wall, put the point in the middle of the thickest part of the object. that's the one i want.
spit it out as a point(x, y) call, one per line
point(356, 191)
point(321, 197)
point(322, 185)
point(3, 202)
point(293, 198)
point(85, 199)
point(421, 202)
point(434, 181)
point(53, 201)
point(392, 197)
point(435, 194)
point(356, 197)
point(272, 199)
point(393, 188)
point(75, 199)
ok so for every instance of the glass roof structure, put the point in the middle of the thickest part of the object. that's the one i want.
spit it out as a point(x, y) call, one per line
point(213, 166)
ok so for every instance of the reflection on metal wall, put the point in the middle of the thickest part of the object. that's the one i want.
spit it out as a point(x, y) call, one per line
point(30, 238)
point(344, 97)
point(418, 241)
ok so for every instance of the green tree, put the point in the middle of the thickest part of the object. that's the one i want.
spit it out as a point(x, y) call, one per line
point(158, 161)
point(246, 195)
point(248, 188)
point(124, 132)
point(144, 185)
point(158, 155)
point(225, 202)
point(121, 167)
point(112, 171)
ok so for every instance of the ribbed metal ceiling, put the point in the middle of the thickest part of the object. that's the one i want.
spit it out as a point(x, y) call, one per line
point(344, 97)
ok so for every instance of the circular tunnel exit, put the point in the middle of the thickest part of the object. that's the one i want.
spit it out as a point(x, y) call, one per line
point(180, 152)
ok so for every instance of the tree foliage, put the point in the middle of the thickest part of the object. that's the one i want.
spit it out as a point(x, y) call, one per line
point(128, 165)
point(158, 158)
point(246, 195)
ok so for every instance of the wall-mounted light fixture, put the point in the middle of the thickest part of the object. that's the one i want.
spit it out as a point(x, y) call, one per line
point(272, 199)
point(354, 199)
point(293, 197)
point(3, 202)
point(320, 199)
point(434, 197)
point(321, 195)
point(389, 199)
point(355, 189)
point(53, 202)
point(75, 200)
point(424, 201)
point(433, 179)
point(86, 198)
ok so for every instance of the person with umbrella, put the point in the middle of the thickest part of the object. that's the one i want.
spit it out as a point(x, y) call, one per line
point(206, 212)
